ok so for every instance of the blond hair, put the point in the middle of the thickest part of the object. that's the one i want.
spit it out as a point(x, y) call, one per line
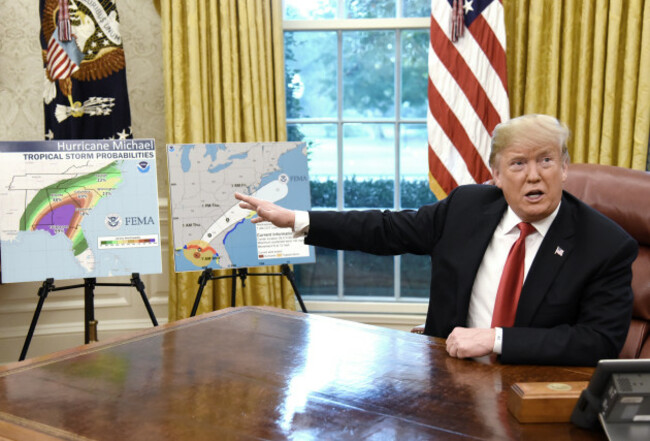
point(530, 130)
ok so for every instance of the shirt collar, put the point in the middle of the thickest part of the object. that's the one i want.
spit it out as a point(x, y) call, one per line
point(510, 221)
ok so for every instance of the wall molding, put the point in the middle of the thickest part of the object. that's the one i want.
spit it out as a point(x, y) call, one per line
point(122, 326)
point(395, 315)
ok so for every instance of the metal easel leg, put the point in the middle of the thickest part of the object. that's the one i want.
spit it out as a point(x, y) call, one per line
point(43, 291)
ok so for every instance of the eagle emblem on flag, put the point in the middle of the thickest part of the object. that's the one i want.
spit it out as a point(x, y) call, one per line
point(84, 66)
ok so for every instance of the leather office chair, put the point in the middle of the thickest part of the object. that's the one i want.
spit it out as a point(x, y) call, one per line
point(623, 195)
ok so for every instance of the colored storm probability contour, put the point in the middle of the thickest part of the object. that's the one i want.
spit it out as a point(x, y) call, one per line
point(60, 208)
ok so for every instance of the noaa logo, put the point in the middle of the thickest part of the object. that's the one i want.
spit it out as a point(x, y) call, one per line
point(143, 166)
point(113, 221)
point(171, 148)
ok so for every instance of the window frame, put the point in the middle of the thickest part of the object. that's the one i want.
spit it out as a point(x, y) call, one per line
point(339, 302)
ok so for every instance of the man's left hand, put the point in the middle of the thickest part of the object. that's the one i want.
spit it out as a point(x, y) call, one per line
point(470, 342)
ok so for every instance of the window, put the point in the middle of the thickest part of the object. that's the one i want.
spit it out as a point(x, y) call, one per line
point(356, 86)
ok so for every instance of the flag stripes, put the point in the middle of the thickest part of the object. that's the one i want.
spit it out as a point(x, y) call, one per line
point(447, 120)
point(467, 93)
point(455, 64)
point(481, 32)
point(59, 64)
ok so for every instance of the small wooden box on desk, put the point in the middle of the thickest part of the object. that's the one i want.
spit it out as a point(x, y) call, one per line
point(544, 402)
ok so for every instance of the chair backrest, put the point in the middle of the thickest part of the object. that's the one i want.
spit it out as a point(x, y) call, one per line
point(623, 195)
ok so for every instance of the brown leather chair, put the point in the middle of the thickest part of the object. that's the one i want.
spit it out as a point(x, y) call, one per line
point(623, 195)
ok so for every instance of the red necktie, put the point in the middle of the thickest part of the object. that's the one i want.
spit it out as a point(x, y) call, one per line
point(512, 279)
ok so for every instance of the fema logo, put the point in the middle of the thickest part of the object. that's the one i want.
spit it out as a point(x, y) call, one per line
point(113, 221)
point(143, 166)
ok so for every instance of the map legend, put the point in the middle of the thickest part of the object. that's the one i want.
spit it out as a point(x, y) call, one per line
point(127, 242)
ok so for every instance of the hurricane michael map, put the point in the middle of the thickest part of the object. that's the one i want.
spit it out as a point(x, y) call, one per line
point(210, 230)
point(78, 209)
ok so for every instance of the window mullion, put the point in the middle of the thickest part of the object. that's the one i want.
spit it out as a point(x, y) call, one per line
point(397, 195)
point(339, 117)
point(398, 100)
point(339, 152)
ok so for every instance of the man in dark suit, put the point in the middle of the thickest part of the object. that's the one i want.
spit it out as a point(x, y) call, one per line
point(575, 305)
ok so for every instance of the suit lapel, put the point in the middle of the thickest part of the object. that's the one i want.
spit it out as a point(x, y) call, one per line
point(553, 252)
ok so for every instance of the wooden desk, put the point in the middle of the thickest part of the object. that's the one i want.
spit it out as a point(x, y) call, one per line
point(261, 373)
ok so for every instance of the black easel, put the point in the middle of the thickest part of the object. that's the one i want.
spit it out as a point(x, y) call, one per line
point(242, 273)
point(90, 324)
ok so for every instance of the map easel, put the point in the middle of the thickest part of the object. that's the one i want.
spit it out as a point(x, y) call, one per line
point(90, 324)
point(243, 273)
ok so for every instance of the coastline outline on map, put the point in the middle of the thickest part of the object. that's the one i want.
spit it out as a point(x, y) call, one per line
point(210, 230)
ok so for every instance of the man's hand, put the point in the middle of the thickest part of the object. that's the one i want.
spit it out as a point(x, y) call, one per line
point(267, 211)
point(470, 342)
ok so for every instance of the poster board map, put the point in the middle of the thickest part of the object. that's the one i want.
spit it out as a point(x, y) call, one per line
point(210, 230)
point(78, 209)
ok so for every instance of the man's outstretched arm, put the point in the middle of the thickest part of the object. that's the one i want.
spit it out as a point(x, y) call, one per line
point(267, 211)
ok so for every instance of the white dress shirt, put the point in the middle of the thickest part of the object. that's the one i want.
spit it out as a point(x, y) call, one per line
point(486, 283)
point(301, 223)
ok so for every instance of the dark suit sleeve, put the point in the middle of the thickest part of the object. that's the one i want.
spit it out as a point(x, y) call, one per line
point(602, 318)
point(376, 232)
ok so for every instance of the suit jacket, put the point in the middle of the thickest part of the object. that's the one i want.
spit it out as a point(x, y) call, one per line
point(576, 303)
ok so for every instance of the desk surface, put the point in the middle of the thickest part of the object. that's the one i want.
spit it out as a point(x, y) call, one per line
point(266, 374)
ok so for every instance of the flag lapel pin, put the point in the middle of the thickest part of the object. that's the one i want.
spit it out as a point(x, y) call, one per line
point(559, 251)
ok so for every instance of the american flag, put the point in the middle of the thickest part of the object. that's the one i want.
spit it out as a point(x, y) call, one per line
point(468, 90)
point(59, 62)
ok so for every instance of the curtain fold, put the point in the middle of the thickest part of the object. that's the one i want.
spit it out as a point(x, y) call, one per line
point(224, 82)
point(588, 63)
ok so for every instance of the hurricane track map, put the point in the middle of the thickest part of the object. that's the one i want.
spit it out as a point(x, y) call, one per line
point(210, 230)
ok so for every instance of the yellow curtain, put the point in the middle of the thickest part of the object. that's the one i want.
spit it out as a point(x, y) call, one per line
point(588, 63)
point(224, 82)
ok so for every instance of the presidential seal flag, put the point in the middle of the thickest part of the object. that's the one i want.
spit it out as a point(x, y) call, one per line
point(85, 94)
point(467, 91)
